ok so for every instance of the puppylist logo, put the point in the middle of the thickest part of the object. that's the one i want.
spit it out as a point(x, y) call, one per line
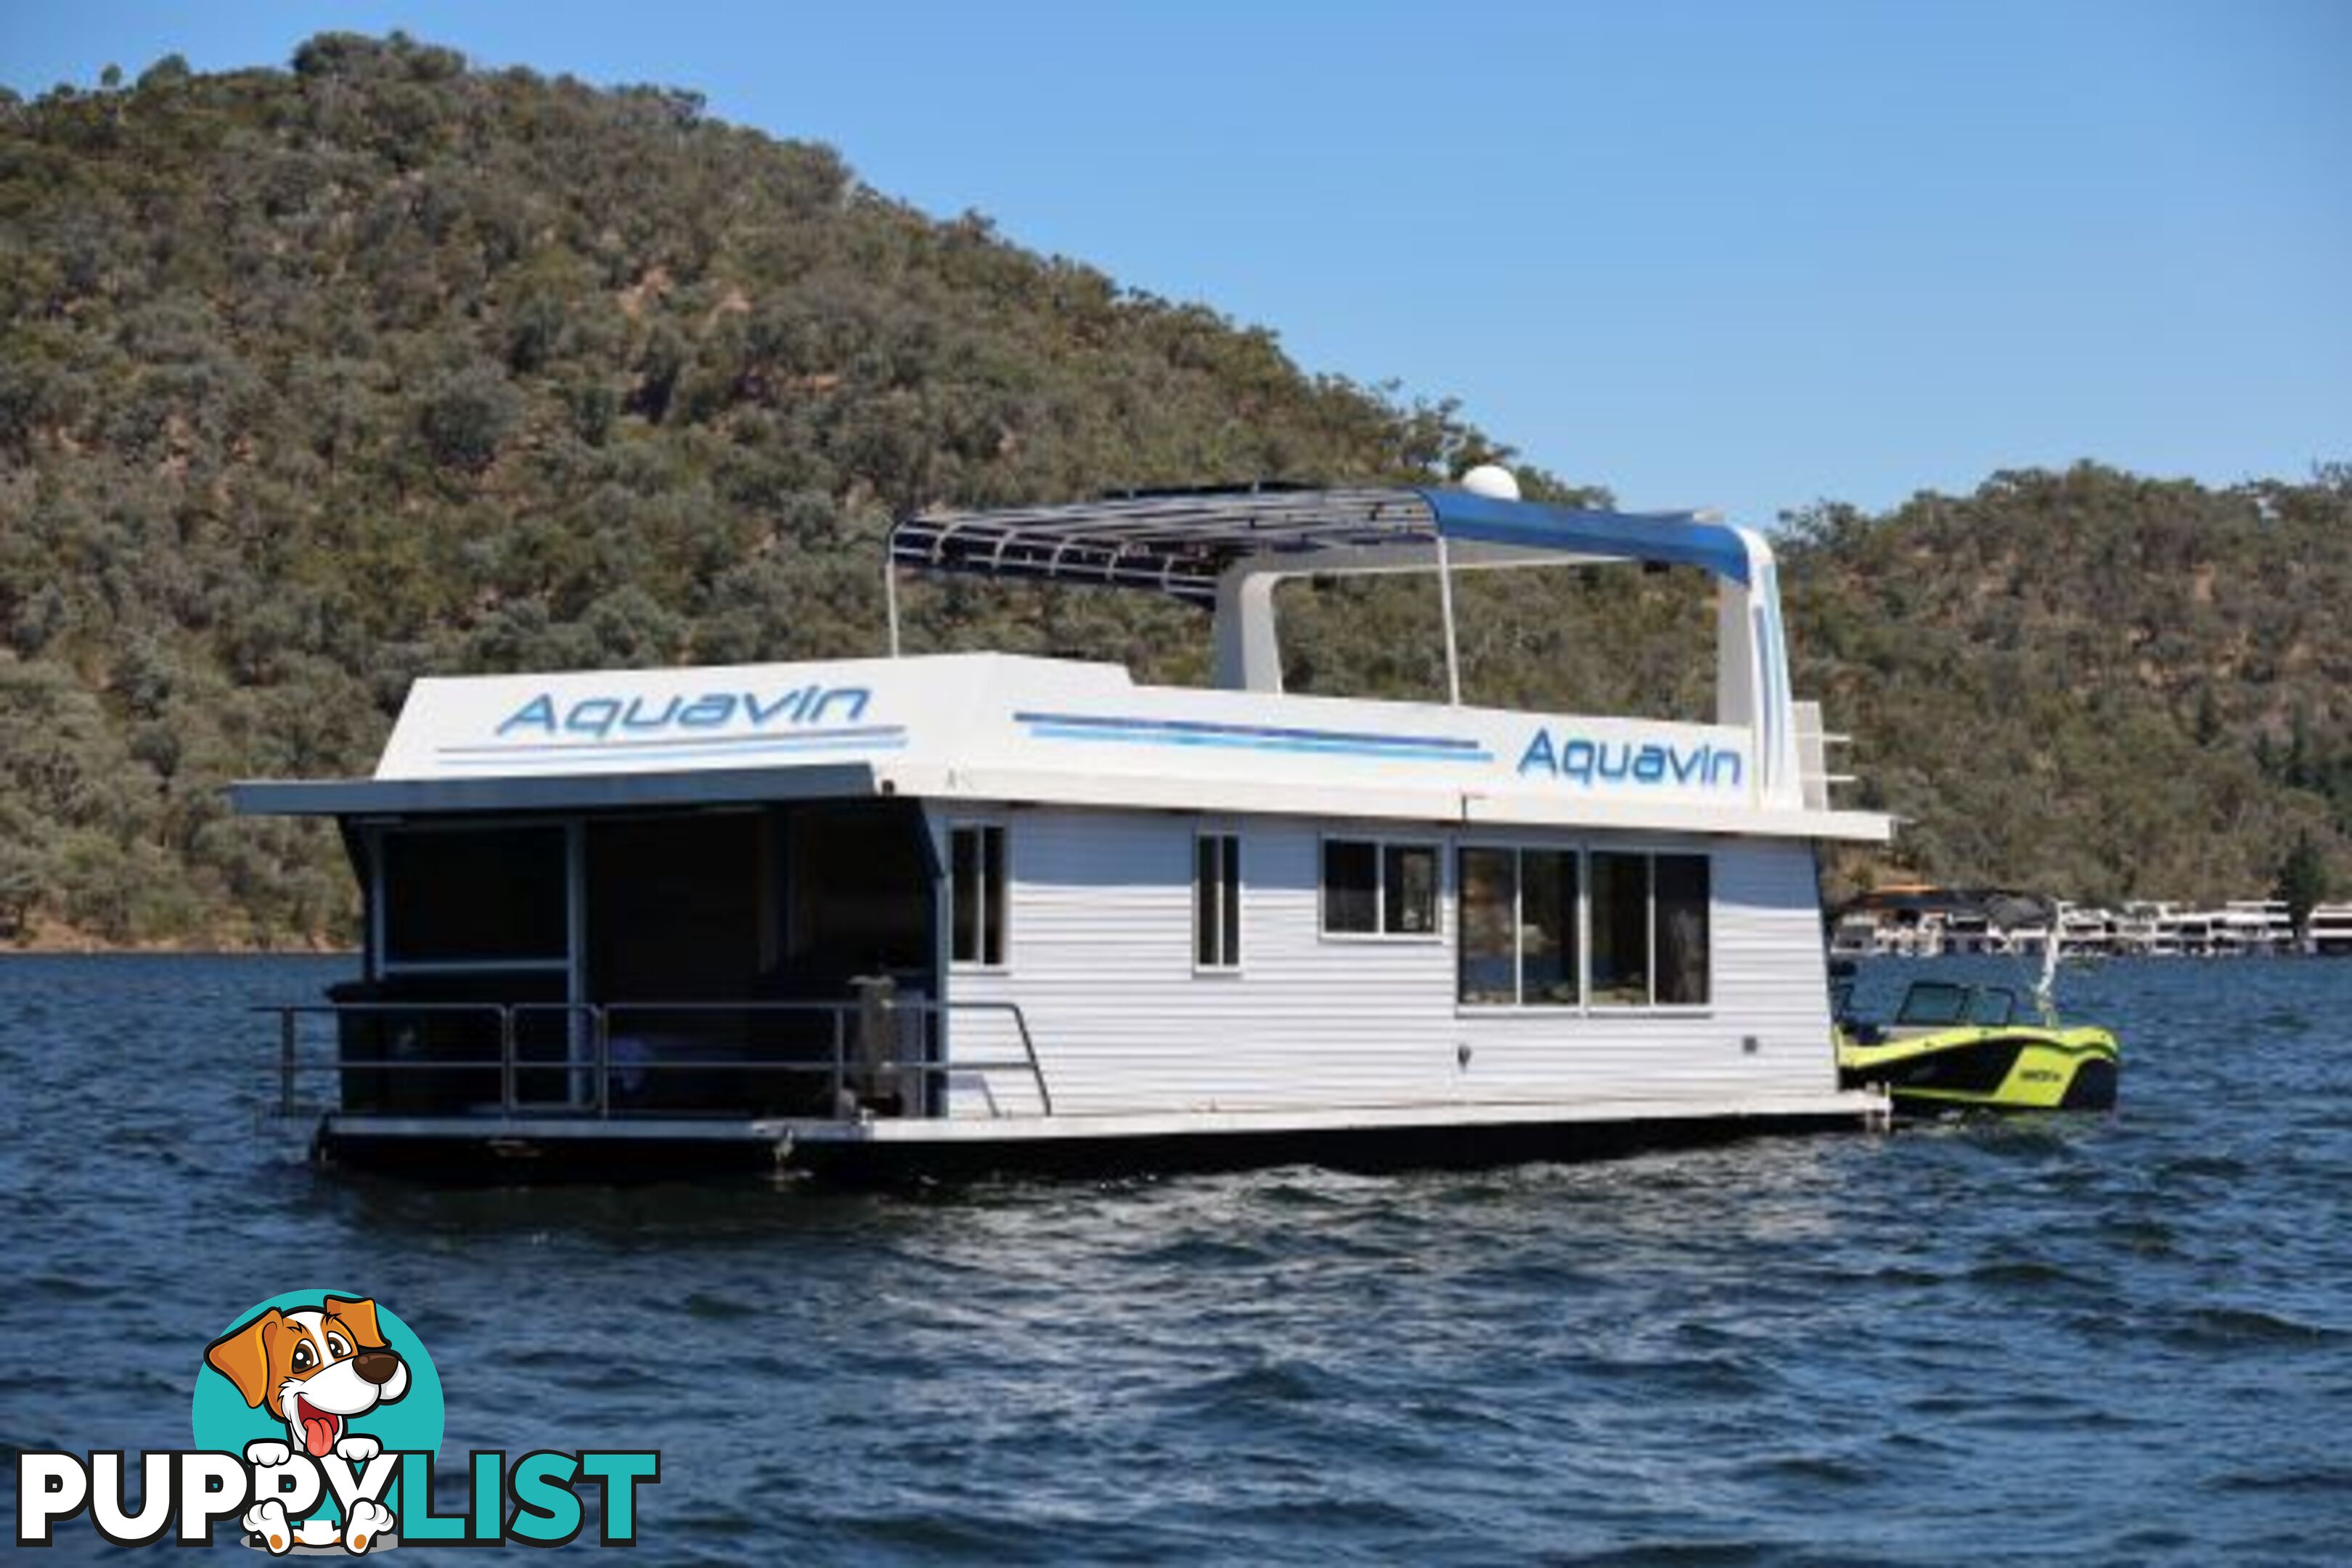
point(317, 1416)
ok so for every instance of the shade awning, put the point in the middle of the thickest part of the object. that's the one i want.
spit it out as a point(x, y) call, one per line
point(548, 791)
point(1181, 542)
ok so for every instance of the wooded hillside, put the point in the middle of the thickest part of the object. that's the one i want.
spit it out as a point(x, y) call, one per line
point(315, 380)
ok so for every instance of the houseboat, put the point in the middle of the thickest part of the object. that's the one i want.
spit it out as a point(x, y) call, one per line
point(973, 911)
point(2327, 932)
point(2147, 929)
point(2085, 931)
point(2254, 927)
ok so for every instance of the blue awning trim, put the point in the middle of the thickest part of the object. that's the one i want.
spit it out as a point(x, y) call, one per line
point(1675, 538)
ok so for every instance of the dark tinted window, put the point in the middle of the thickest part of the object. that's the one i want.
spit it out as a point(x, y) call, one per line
point(472, 896)
point(1350, 884)
point(1409, 889)
point(1548, 928)
point(1217, 901)
point(1621, 930)
point(1683, 898)
point(976, 892)
point(1488, 878)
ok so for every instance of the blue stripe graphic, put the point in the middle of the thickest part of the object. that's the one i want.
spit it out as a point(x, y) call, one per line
point(1251, 738)
point(686, 743)
point(1265, 736)
point(882, 738)
point(541, 762)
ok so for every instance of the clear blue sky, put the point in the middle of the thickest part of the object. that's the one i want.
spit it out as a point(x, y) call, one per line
point(1705, 253)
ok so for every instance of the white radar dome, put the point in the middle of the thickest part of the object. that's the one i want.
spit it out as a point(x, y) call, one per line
point(1492, 481)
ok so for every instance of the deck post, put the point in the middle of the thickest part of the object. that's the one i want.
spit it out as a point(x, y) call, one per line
point(840, 1055)
point(890, 595)
point(285, 1025)
point(1445, 610)
point(506, 1059)
point(601, 1030)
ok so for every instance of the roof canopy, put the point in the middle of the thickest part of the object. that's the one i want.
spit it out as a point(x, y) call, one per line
point(1181, 542)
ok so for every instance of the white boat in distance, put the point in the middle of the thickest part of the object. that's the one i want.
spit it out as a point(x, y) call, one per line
point(973, 911)
point(2328, 932)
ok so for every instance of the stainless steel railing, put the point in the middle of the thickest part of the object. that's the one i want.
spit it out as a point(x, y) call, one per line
point(839, 1067)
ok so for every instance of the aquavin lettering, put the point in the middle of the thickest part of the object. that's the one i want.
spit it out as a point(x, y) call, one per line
point(606, 717)
point(1581, 760)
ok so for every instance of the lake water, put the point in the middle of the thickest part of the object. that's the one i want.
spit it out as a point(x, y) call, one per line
point(2122, 1340)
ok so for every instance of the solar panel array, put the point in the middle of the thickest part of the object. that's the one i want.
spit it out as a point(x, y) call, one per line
point(1175, 542)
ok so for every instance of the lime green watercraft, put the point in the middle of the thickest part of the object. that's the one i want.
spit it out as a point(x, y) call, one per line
point(1954, 1046)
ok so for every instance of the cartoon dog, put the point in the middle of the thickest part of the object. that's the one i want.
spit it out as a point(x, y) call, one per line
point(314, 1370)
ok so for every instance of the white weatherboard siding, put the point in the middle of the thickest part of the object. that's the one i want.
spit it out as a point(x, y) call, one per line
point(1100, 958)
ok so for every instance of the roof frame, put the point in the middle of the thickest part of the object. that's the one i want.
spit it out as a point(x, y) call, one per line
point(1181, 543)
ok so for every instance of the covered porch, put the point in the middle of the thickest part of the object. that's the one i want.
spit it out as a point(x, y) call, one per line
point(767, 959)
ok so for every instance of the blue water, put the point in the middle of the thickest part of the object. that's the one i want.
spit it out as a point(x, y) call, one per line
point(2122, 1340)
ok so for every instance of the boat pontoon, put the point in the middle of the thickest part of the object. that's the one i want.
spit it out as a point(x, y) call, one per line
point(969, 910)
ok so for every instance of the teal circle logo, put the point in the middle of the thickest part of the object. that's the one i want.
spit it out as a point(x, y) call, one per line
point(316, 1370)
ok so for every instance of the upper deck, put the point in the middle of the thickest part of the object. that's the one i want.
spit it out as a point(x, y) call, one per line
point(992, 727)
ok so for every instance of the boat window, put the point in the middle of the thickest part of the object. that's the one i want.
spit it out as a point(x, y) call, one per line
point(1217, 901)
point(1936, 1003)
point(1620, 929)
point(1548, 928)
point(1376, 889)
point(976, 876)
point(1409, 889)
point(1490, 902)
point(1351, 892)
point(1682, 895)
point(474, 896)
point(1994, 1007)
point(1518, 928)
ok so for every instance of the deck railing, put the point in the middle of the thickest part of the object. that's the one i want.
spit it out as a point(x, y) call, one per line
point(589, 1083)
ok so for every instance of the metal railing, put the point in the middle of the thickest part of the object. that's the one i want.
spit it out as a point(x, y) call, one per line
point(589, 1083)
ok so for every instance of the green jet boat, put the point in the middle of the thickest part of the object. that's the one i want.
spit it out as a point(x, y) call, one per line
point(1954, 1046)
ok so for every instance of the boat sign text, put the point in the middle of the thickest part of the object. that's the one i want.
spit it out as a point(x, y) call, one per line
point(1580, 760)
point(603, 716)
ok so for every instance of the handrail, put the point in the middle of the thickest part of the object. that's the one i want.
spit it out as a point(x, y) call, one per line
point(509, 1065)
point(842, 1010)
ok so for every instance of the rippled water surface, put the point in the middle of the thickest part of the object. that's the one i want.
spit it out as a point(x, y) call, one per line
point(2103, 1341)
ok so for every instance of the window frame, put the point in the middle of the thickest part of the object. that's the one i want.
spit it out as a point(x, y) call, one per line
point(1649, 1003)
point(1650, 849)
point(1583, 849)
point(1381, 843)
point(1231, 880)
point(1002, 925)
point(1462, 929)
point(1519, 849)
point(383, 962)
point(1707, 858)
